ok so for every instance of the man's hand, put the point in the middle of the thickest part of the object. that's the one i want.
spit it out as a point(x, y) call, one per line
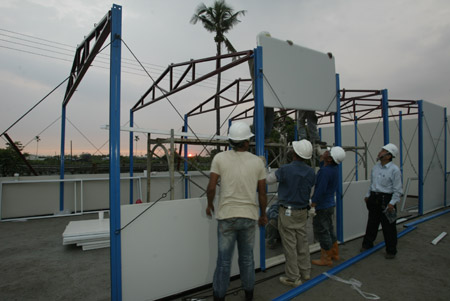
point(366, 199)
point(263, 220)
point(210, 210)
point(390, 207)
point(312, 211)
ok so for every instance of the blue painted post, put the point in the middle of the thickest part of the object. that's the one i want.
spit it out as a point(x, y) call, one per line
point(356, 150)
point(320, 134)
point(338, 142)
point(385, 112)
point(400, 135)
point(61, 168)
point(445, 157)
point(259, 133)
point(186, 180)
point(131, 157)
point(114, 152)
point(421, 183)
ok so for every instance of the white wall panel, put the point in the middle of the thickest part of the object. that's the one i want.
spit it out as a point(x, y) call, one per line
point(433, 157)
point(354, 209)
point(174, 234)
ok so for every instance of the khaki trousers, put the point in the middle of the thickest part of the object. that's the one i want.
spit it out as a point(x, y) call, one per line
point(295, 243)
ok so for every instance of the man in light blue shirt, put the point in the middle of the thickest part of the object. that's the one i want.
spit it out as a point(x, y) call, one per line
point(381, 199)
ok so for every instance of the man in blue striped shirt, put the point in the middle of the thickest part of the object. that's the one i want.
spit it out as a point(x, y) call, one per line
point(323, 200)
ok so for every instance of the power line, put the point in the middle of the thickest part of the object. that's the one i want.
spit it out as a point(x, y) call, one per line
point(102, 58)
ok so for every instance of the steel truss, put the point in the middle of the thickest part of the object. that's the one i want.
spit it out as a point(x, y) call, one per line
point(366, 105)
point(157, 92)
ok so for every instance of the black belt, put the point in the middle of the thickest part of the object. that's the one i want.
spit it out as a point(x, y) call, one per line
point(381, 193)
point(286, 207)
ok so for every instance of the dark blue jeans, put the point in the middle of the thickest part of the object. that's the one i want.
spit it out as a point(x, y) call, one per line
point(376, 204)
point(230, 231)
point(324, 228)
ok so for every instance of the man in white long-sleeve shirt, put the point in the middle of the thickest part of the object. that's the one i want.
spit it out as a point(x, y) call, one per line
point(381, 199)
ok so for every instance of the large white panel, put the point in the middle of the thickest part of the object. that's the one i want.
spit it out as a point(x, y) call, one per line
point(296, 77)
point(169, 249)
point(355, 210)
point(433, 156)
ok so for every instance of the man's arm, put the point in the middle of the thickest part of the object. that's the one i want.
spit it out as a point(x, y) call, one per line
point(262, 198)
point(211, 192)
point(398, 188)
point(271, 178)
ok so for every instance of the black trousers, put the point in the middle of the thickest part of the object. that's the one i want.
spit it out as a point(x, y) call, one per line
point(376, 204)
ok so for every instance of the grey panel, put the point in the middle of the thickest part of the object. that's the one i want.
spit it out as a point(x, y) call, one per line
point(296, 77)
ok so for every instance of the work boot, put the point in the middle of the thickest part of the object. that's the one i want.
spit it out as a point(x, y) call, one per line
point(305, 274)
point(389, 256)
point(249, 295)
point(335, 254)
point(289, 282)
point(325, 258)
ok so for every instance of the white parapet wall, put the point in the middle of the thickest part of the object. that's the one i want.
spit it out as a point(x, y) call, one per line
point(39, 196)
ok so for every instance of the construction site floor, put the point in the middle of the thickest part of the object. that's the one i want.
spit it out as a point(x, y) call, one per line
point(34, 265)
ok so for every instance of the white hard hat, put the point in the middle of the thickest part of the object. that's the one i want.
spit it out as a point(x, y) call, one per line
point(392, 149)
point(303, 148)
point(239, 131)
point(338, 154)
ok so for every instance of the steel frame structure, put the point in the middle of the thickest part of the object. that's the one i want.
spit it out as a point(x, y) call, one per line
point(353, 108)
point(156, 92)
point(364, 104)
point(110, 25)
point(85, 54)
point(189, 68)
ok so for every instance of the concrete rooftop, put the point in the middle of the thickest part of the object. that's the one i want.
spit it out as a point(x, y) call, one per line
point(35, 265)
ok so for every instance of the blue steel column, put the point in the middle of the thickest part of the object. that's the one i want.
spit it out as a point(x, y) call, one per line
point(61, 168)
point(338, 142)
point(400, 135)
point(420, 103)
point(114, 152)
point(356, 150)
point(385, 112)
point(259, 133)
point(131, 157)
point(186, 180)
point(445, 156)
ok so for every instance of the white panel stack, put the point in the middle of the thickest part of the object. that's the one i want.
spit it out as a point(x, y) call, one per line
point(89, 234)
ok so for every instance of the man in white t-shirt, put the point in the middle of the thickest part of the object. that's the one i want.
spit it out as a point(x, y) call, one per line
point(242, 176)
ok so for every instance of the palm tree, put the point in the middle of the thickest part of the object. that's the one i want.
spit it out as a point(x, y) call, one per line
point(37, 144)
point(219, 18)
point(136, 138)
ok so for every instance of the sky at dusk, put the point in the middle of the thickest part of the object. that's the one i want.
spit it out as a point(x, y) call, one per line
point(399, 45)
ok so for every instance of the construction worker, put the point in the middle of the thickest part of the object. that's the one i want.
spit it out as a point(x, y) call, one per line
point(323, 200)
point(242, 174)
point(307, 127)
point(296, 180)
point(384, 193)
